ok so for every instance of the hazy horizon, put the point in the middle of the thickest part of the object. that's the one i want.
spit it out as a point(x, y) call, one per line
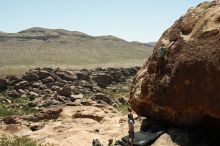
point(142, 21)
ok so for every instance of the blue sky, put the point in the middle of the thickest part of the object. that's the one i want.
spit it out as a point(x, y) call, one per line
point(132, 20)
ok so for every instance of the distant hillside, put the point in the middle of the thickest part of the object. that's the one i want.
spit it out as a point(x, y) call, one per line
point(152, 44)
point(40, 47)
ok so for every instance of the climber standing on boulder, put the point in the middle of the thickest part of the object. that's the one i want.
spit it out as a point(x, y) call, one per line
point(161, 56)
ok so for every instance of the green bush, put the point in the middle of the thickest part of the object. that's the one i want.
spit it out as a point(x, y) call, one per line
point(123, 108)
point(18, 141)
point(18, 106)
point(118, 90)
point(9, 111)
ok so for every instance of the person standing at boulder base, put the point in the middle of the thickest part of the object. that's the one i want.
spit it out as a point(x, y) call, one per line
point(130, 130)
point(161, 56)
point(130, 112)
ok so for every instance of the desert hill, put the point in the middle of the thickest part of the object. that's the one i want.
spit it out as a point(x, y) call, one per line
point(41, 47)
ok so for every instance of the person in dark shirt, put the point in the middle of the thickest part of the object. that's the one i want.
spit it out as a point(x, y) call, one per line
point(130, 129)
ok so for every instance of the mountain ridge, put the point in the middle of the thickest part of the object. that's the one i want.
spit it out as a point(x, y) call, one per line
point(46, 31)
point(41, 47)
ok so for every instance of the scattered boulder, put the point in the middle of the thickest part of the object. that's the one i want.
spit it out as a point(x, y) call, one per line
point(13, 94)
point(3, 84)
point(87, 102)
point(83, 75)
point(95, 114)
point(44, 115)
point(22, 85)
point(48, 80)
point(103, 97)
point(102, 79)
point(65, 91)
point(122, 100)
point(96, 142)
point(12, 80)
point(66, 76)
point(10, 120)
point(79, 96)
point(55, 88)
point(44, 74)
point(75, 103)
point(58, 86)
point(37, 84)
point(35, 127)
point(117, 76)
point(31, 77)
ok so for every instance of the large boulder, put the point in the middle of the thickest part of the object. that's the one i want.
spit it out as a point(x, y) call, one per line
point(187, 88)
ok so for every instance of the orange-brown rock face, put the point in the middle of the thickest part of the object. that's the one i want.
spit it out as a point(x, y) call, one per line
point(188, 87)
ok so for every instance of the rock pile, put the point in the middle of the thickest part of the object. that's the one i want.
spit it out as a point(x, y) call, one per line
point(47, 86)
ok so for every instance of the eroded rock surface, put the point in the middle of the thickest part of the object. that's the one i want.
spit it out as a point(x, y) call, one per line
point(68, 130)
point(187, 88)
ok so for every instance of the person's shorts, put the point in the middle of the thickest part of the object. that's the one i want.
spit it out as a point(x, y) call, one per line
point(131, 134)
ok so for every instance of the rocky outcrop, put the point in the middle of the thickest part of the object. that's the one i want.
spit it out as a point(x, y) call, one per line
point(186, 89)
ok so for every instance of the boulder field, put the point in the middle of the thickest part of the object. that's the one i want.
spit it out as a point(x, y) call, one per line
point(47, 87)
point(187, 88)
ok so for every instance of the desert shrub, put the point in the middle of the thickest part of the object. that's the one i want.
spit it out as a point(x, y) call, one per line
point(18, 141)
point(123, 108)
point(21, 110)
point(118, 90)
point(18, 106)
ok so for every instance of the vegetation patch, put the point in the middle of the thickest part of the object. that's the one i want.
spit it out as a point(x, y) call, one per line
point(18, 141)
point(16, 106)
point(117, 90)
point(123, 108)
